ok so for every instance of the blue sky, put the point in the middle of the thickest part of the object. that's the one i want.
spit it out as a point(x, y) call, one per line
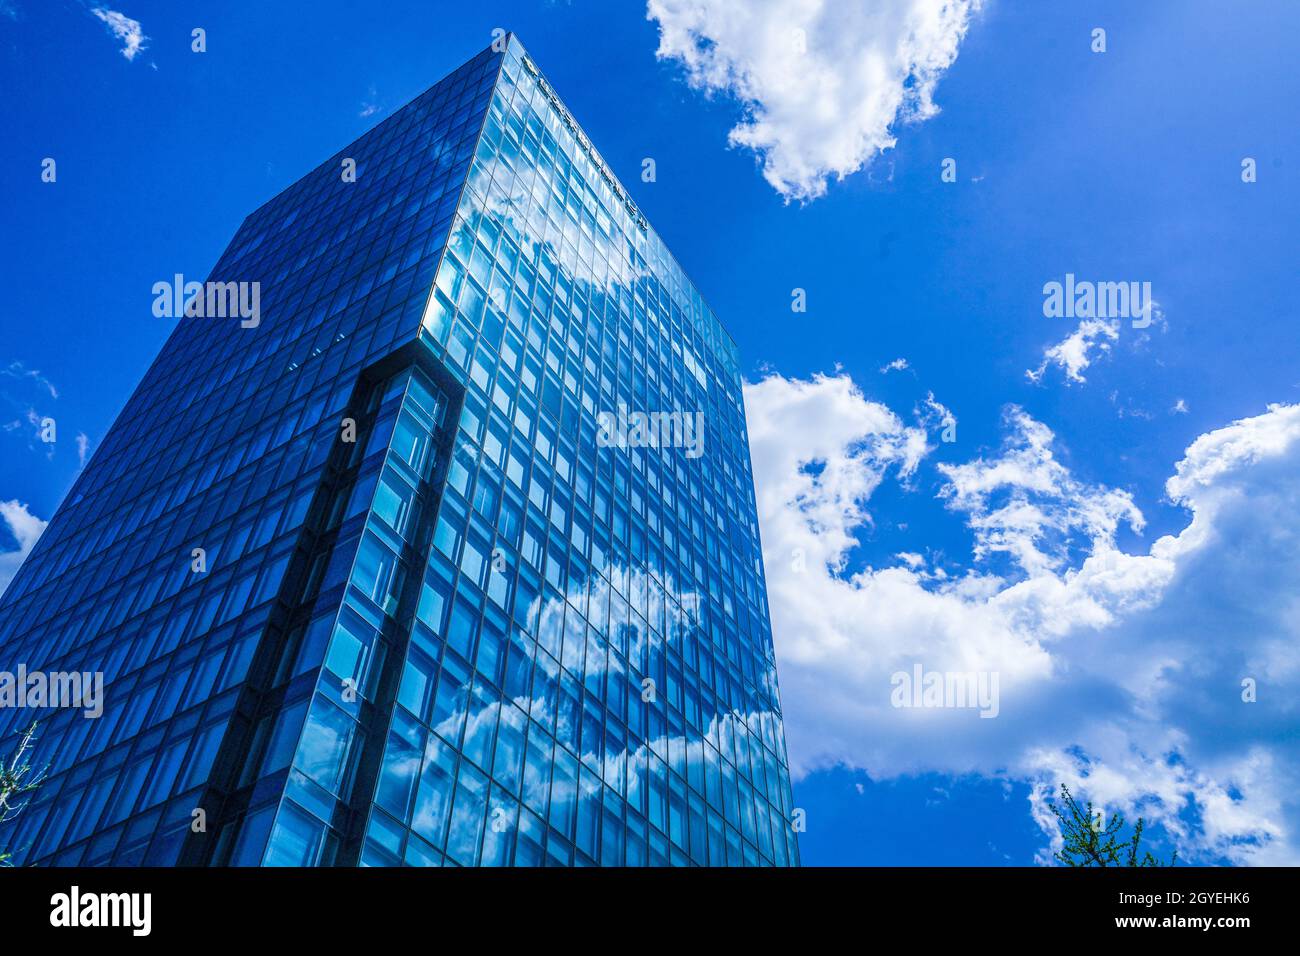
point(1046, 543)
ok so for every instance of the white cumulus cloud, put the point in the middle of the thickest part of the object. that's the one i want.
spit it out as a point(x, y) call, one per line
point(24, 527)
point(1120, 674)
point(823, 84)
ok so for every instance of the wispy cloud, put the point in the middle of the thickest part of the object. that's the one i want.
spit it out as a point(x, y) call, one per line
point(1078, 350)
point(370, 106)
point(123, 28)
point(24, 394)
point(20, 372)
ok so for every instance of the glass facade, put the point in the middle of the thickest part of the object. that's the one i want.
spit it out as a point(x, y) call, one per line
point(429, 567)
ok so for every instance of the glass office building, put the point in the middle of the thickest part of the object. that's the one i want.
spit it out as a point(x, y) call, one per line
point(425, 565)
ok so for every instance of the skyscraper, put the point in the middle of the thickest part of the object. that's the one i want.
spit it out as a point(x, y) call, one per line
point(429, 537)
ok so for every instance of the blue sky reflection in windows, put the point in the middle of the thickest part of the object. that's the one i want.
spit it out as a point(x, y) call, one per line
point(470, 637)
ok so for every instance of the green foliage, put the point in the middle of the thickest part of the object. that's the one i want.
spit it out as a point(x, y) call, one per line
point(16, 781)
point(1090, 843)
